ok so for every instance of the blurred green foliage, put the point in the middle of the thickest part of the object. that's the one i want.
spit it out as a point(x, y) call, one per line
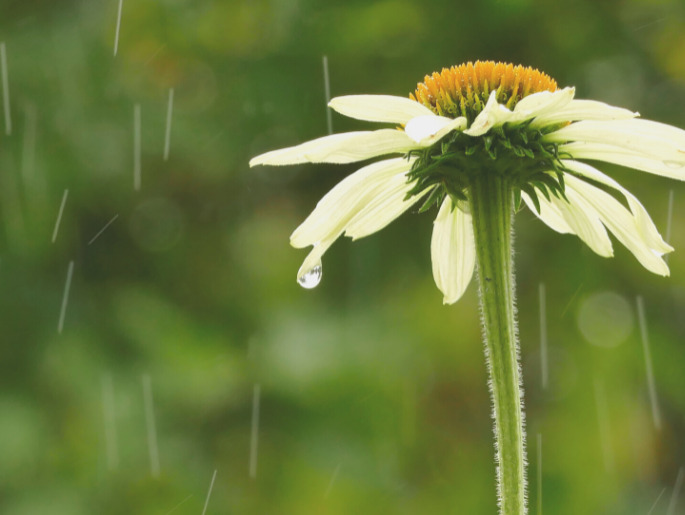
point(373, 395)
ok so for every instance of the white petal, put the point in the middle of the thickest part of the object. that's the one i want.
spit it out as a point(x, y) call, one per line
point(453, 252)
point(492, 115)
point(647, 138)
point(347, 147)
point(549, 214)
point(379, 108)
point(542, 103)
point(625, 157)
point(426, 130)
point(537, 104)
point(583, 110)
point(579, 216)
point(621, 223)
point(385, 206)
point(644, 222)
point(334, 211)
point(654, 129)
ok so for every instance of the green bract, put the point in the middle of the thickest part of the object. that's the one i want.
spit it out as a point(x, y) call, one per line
point(519, 153)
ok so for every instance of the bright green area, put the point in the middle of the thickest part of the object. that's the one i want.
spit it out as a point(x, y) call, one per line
point(373, 394)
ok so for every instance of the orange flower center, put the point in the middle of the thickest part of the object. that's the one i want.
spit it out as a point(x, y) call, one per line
point(464, 90)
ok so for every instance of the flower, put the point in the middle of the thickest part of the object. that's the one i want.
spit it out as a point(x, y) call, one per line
point(487, 117)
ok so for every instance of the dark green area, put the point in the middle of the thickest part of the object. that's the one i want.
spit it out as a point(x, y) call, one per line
point(373, 395)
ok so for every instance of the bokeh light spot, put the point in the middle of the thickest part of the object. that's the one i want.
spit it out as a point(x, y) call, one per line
point(605, 319)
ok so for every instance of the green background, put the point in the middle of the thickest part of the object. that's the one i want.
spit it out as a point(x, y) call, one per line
point(372, 394)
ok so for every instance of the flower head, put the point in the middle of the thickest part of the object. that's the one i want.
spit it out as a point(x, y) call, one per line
point(493, 118)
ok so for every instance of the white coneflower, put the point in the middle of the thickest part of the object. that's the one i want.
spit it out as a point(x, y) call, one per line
point(510, 120)
point(478, 140)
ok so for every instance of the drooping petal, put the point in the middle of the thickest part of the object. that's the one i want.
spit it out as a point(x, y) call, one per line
point(342, 204)
point(625, 157)
point(347, 147)
point(383, 207)
point(542, 103)
point(492, 115)
point(578, 216)
point(642, 136)
point(620, 221)
point(345, 200)
point(537, 104)
point(426, 130)
point(577, 110)
point(549, 214)
point(379, 108)
point(644, 222)
point(453, 252)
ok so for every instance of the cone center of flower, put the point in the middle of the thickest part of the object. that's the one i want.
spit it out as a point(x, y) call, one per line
point(464, 90)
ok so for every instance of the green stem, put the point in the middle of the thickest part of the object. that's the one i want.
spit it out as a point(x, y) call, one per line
point(492, 208)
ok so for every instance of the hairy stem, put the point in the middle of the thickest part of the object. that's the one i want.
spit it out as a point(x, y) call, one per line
point(492, 209)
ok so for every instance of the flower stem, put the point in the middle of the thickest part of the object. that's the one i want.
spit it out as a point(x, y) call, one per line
point(492, 209)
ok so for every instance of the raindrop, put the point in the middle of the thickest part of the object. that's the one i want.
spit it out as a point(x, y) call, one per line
point(327, 91)
point(656, 502)
point(5, 89)
point(676, 491)
point(59, 215)
point(65, 297)
point(254, 436)
point(103, 229)
point(150, 425)
point(167, 135)
point(209, 493)
point(116, 32)
point(333, 478)
point(656, 415)
point(136, 147)
point(543, 337)
point(312, 278)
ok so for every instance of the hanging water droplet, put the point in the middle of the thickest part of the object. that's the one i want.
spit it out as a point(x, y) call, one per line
point(312, 278)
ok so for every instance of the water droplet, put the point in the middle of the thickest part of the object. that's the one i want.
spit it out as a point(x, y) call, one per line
point(312, 278)
point(674, 164)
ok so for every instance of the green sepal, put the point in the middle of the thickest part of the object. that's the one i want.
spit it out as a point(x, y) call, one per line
point(435, 197)
point(542, 188)
point(517, 199)
point(527, 188)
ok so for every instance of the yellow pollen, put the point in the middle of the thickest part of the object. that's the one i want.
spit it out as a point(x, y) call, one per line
point(464, 90)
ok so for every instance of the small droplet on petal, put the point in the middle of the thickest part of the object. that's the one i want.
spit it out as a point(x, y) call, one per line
point(312, 278)
point(674, 164)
